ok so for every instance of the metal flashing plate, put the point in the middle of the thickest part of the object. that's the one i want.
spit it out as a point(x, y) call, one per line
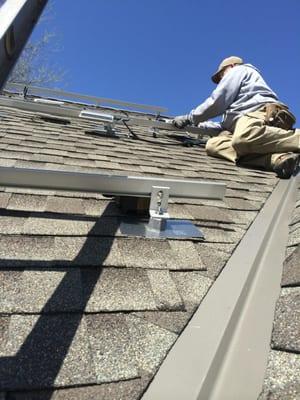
point(174, 229)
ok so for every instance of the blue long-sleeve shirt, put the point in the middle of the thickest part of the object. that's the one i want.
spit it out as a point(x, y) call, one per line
point(241, 90)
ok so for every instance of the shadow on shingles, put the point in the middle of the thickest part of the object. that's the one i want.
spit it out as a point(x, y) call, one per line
point(41, 356)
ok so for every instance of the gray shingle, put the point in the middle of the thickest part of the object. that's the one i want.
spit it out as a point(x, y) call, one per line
point(107, 165)
point(4, 325)
point(111, 347)
point(294, 238)
point(159, 254)
point(254, 188)
point(223, 247)
point(16, 155)
point(220, 233)
point(27, 202)
point(179, 211)
point(173, 321)
point(54, 152)
point(29, 164)
point(46, 158)
point(202, 202)
point(64, 205)
point(4, 199)
point(192, 287)
point(123, 390)
point(11, 225)
point(218, 214)
point(15, 250)
point(291, 268)
point(7, 162)
point(82, 251)
point(96, 207)
point(244, 205)
point(46, 351)
point(57, 226)
point(80, 162)
point(165, 291)
point(209, 213)
point(130, 169)
point(21, 148)
point(213, 259)
point(286, 329)
point(290, 392)
point(149, 343)
point(9, 288)
point(282, 380)
point(186, 255)
point(49, 291)
point(296, 216)
point(151, 170)
point(117, 290)
point(294, 227)
point(146, 253)
point(246, 194)
point(98, 157)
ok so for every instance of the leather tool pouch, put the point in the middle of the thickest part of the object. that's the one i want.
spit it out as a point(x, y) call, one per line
point(279, 115)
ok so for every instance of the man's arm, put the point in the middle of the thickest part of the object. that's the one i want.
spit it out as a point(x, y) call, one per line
point(221, 98)
point(210, 128)
point(218, 102)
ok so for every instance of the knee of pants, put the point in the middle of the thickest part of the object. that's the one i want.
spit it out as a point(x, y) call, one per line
point(210, 146)
point(240, 144)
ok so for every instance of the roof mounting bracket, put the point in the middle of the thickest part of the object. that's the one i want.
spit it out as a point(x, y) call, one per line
point(160, 225)
point(158, 208)
point(107, 129)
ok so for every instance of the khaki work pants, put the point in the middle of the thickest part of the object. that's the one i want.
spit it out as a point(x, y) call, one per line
point(253, 143)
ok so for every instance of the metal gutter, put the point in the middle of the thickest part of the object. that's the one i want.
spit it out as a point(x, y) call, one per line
point(222, 353)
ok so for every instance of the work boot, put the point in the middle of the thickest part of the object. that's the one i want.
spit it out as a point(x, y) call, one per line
point(286, 165)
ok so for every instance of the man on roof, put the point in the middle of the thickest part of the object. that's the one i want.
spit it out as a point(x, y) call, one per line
point(256, 129)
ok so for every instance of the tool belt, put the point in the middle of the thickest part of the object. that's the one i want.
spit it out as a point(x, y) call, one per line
point(279, 115)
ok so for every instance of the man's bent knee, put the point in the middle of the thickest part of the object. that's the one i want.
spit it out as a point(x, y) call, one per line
point(240, 144)
point(212, 146)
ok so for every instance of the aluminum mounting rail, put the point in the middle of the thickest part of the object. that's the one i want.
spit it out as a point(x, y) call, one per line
point(80, 98)
point(222, 354)
point(116, 185)
point(73, 112)
point(17, 19)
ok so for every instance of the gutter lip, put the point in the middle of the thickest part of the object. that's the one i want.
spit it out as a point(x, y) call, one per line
point(222, 353)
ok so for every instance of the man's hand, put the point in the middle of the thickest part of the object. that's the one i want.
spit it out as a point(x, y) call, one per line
point(181, 121)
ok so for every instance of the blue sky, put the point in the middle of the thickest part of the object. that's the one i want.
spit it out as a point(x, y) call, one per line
point(163, 52)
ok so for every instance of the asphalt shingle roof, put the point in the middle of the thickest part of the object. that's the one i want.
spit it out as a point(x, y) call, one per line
point(85, 311)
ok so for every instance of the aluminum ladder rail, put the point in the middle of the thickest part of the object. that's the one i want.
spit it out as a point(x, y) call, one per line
point(17, 20)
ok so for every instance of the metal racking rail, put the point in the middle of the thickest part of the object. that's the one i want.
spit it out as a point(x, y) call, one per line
point(67, 110)
point(116, 185)
point(79, 98)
